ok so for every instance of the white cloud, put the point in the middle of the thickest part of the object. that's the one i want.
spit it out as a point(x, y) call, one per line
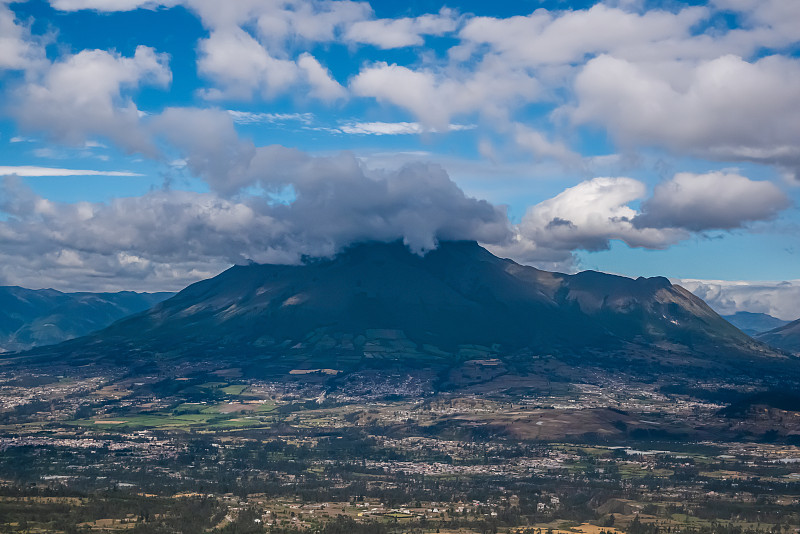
point(336, 202)
point(18, 49)
point(31, 170)
point(670, 78)
point(240, 67)
point(402, 32)
point(108, 5)
point(395, 128)
point(251, 117)
point(547, 37)
point(277, 23)
point(779, 299)
point(82, 97)
point(648, 77)
point(317, 21)
point(249, 50)
point(591, 214)
point(238, 64)
point(322, 84)
point(333, 201)
point(210, 145)
point(715, 200)
point(726, 108)
point(586, 216)
point(535, 142)
point(434, 98)
point(94, 144)
point(774, 22)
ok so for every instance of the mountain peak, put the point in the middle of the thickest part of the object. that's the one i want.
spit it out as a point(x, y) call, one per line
point(379, 302)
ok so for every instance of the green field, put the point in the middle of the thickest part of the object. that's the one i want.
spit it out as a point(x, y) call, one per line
point(184, 417)
point(236, 389)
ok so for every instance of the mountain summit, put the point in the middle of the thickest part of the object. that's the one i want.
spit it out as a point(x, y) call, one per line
point(380, 304)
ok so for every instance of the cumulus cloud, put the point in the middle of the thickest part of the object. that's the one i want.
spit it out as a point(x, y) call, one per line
point(334, 201)
point(726, 108)
point(591, 214)
point(715, 200)
point(240, 66)
point(210, 145)
point(319, 79)
point(779, 299)
point(587, 217)
point(564, 37)
point(435, 97)
point(214, 151)
point(669, 78)
point(83, 96)
point(402, 32)
point(248, 52)
point(773, 22)
point(275, 204)
point(18, 48)
point(276, 23)
point(315, 20)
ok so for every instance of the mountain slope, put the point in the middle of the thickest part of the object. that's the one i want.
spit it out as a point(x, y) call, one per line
point(754, 323)
point(378, 303)
point(30, 317)
point(786, 337)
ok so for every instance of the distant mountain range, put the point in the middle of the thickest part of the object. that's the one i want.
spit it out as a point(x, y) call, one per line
point(783, 335)
point(786, 337)
point(35, 317)
point(754, 323)
point(378, 304)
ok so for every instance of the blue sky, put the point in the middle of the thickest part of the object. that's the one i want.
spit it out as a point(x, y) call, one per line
point(150, 143)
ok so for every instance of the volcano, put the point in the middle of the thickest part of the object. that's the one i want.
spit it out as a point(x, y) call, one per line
point(380, 304)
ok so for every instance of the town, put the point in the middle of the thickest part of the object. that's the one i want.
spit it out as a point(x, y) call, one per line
point(216, 451)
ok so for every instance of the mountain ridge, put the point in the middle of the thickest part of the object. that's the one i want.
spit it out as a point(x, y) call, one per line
point(378, 304)
point(754, 323)
point(35, 317)
point(786, 337)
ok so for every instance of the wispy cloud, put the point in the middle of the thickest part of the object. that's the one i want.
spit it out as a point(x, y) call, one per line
point(395, 128)
point(31, 170)
point(249, 117)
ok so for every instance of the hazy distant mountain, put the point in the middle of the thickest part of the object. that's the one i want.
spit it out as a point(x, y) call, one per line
point(30, 317)
point(754, 323)
point(786, 337)
point(377, 303)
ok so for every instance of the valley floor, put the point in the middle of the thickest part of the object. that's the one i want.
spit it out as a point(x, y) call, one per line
point(215, 451)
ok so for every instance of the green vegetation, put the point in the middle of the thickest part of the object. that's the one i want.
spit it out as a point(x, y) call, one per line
point(236, 389)
point(199, 454)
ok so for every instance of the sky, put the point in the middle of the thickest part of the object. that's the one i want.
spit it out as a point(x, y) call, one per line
point(147, 144)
